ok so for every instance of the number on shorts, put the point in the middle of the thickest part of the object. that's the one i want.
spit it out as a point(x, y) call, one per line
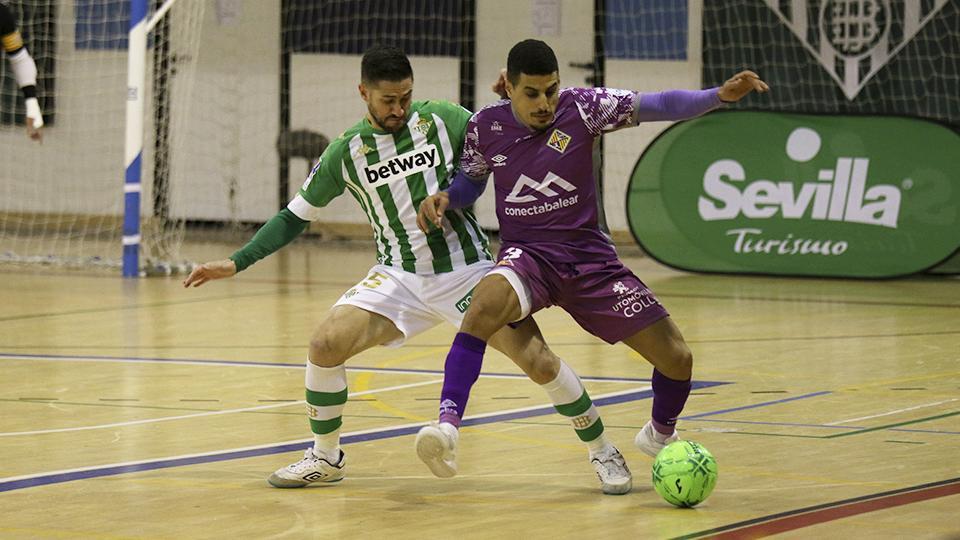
point(511, 253)
point(374, 280)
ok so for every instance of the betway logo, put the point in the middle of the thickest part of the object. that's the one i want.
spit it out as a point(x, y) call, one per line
point(838, 194)
point(542, 187)
point(402, 166)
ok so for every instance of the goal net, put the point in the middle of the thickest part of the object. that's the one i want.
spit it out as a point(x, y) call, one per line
point(240, 100)
point(62, 201)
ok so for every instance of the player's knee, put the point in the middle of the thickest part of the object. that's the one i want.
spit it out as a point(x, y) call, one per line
point(482, 320)
point(682, 362)
point(543, 366)
point(326, 351)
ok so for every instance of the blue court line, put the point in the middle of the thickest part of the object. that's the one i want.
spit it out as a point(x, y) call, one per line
point(56, 478)
point(148, 360)
point(754, 406)
point(785, 424)
point(792, 424)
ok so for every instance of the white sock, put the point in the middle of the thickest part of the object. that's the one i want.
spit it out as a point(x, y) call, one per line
point(571, 400)
point(326, 398)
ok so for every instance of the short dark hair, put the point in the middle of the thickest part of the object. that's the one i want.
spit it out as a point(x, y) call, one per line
point(530, 56)
point(385, 63)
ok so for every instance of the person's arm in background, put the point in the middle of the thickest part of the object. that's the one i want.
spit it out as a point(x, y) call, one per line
point(24, 70)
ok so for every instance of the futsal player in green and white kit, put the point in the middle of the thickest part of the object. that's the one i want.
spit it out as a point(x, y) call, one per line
point(401, 152)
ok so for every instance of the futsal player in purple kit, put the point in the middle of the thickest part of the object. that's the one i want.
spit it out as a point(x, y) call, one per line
point(541, 145)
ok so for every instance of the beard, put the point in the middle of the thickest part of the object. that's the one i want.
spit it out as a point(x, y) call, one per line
point(382, 122)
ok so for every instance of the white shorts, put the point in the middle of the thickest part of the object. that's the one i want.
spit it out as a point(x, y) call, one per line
point(416, 303)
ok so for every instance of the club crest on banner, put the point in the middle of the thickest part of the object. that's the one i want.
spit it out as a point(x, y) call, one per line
point(852, 39)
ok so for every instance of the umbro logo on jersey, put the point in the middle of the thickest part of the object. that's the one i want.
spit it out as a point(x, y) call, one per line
point(499, 160)
point(402, 166)
point(543, 187)
point(558, 140)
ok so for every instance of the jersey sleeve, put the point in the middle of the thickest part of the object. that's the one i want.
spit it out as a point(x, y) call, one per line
point(606, 109)
point(472, 162)
point(12, 41)
point(323, 184)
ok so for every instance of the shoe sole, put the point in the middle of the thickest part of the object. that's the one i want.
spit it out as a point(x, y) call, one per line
point(614, 489)
point(430, 451)
point(283, 483)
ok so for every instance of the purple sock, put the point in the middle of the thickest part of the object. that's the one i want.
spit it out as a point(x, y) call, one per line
point(669, 397)
point(459, 373)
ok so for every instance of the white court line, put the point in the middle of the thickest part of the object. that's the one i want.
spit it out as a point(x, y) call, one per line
point(197, 415)
point(297, 441)
point(889, 413)
point(212, 363)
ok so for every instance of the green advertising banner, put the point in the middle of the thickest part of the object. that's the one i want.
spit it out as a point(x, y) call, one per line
point(800, 195)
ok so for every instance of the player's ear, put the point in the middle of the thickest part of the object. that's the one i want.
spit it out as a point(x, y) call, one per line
point(364, 92)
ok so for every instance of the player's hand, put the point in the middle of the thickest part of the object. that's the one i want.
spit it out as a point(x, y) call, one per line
point(34, 120)
point(35, 133)
point(499, 86)
point(740, 85)
point(210, 271)
point(431, 211)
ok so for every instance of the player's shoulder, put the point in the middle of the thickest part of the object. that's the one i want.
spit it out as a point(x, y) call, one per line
point(440, 107)
point(341, 143)
point(491, 111)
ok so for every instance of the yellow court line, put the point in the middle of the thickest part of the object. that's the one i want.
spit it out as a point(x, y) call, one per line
point(362, 383)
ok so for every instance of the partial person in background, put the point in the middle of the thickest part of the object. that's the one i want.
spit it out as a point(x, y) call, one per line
point(24, 69)
point(401, 152)
point(542, 145)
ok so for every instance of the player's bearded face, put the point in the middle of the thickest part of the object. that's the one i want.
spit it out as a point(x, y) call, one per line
point(534, 99)
point(388, 103)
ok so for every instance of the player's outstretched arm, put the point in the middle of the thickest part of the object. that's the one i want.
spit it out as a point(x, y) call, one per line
point(279, 231)
point(741, 84)
point(210, 271)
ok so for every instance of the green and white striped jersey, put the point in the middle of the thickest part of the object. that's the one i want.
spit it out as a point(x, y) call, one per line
point(389, 174)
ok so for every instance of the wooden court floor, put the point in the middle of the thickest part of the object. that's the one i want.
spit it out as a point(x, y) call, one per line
point(139, 409)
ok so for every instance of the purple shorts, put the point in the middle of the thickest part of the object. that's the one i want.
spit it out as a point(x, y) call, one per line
point(605, 298)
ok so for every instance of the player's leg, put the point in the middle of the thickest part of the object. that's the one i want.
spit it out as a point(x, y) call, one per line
point(662, 344)
point(383, 309)
point(493, 304)
point(609, 301)
point(524, 344)
point(346, 331)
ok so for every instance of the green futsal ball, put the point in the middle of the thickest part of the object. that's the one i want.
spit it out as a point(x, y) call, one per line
point(684, 473)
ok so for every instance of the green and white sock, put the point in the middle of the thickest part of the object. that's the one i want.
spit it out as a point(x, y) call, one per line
point(326, 397)
point(571, 400)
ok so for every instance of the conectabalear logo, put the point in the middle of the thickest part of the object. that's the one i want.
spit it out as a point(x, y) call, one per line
point(839, 193)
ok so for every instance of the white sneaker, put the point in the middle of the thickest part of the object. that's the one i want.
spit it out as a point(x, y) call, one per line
point(437, 448)
point(648, 444)
point(615, 477)
point(308, 470)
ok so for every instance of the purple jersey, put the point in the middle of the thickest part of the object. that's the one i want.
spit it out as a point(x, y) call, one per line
point(546, 181)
